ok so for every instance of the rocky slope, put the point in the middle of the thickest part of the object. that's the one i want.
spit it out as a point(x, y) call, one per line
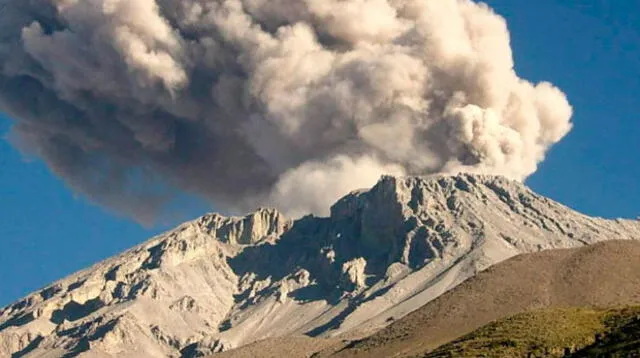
point(606, 274)
point(217, 283)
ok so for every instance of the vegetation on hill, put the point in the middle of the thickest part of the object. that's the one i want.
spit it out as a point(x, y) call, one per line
point(567, 332)
point(620, 341)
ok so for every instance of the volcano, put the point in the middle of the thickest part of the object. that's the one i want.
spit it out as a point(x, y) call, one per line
point(219, 283)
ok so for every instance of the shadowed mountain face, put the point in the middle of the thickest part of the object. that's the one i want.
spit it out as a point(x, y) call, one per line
point(218, 283)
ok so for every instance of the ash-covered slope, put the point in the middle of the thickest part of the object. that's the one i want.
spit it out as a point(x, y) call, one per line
point(217, 283)
point(606, 274)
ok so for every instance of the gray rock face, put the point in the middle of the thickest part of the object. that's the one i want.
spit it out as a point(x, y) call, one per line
point(217, 283)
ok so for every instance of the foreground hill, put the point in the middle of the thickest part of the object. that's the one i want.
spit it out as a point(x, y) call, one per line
point(218, 283)
point(567, 332)
point(601, 275)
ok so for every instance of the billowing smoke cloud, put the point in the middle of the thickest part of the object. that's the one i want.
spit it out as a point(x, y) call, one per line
point(267, 102)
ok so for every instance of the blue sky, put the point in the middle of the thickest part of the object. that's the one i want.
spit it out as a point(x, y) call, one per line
point(590, 49)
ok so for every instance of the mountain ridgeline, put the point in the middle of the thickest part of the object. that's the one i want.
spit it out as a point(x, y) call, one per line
point(218, 283)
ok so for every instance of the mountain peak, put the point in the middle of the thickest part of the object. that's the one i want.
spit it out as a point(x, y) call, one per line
point(263, 224)
point(415, 190)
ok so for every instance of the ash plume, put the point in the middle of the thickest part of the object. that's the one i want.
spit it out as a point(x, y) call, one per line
point(253, 102)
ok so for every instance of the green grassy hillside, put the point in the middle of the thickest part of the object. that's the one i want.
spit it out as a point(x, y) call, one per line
point(622, 339)
point(572, 332)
